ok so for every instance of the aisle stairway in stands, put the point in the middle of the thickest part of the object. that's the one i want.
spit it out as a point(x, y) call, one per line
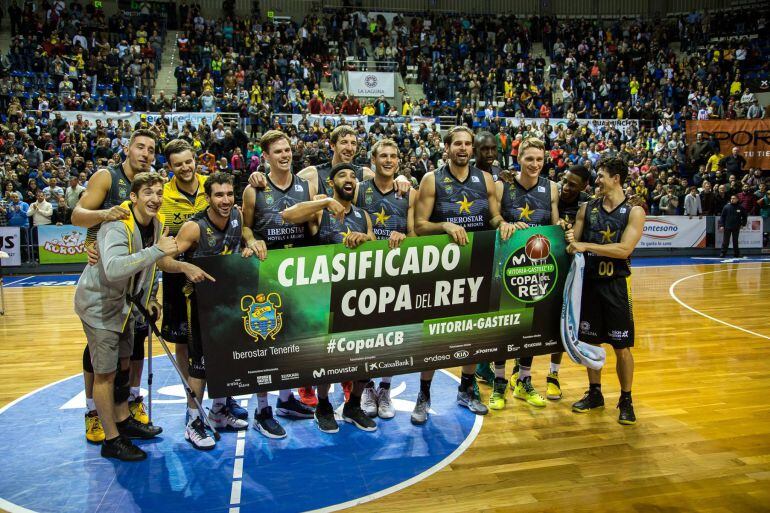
point(166, 81)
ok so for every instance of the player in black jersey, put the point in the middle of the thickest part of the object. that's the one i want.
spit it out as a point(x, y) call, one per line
point(571, 196)
point(264, 229)
point(456, 199)
point(333, 221)
point(485, 153)
point(393, 220)
point(607, 230)
point(214, 231)
point(107, 189)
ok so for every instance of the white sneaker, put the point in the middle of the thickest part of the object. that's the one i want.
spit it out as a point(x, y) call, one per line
point(385, 408)
point(224, 419)
point(197, 435)
point(369, 402)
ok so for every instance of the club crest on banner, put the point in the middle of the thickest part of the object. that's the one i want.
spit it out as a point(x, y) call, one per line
point(263, 317)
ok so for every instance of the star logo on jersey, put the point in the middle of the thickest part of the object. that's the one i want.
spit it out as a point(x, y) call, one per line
point(465, 205)
point(525, 212)
point(263, 317)
point(381, 218)
point(607, 235)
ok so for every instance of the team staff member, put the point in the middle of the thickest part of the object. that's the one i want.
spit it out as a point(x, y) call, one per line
point(183, 197)
point(526, 199)
point(732, 218)
point(101, 202)
point(393, 220)
point(129, 249)
point(214, 231)
point(607, 230)
point(335, 220)
point(265, 229)
point(456, 199)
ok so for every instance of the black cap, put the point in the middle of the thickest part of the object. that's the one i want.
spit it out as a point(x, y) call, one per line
point(341, 167)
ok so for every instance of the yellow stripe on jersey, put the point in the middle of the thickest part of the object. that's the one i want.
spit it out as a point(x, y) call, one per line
point(177, 209)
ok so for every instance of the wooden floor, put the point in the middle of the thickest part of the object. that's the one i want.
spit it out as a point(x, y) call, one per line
point(701, 391)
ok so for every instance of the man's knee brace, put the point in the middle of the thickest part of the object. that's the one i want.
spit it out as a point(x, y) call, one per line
point(122, 388)
point(138, 353)
point(87, 365)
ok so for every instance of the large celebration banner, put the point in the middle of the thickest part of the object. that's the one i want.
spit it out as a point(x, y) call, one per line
point(673, 232)
point(750, 136)
point(64, 244)
point(329, 314)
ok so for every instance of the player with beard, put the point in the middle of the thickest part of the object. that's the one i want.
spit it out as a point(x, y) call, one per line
point(183, 197)
point(214, 231)
point(526, 199)
point(456, 199)
point(393, 221)
point(101, 202)
point(336, 220)
point(607, 230)
point(264, 229)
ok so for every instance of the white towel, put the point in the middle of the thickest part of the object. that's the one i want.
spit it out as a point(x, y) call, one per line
point(592, 357)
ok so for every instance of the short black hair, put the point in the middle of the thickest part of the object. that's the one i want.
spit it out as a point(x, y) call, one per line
point(217, 178)
point(614, 166)
point(581, 171)
point(341, 167)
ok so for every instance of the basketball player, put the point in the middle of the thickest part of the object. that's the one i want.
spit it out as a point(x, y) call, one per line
point(526, 199)
point(129, 249)
point(393, 217)
point(485, 155)
point(214, 231)
point(183, 197)
point(456, 199)
point(101, 202)
point(265, 229)
point(336, 220)
point(607, 230)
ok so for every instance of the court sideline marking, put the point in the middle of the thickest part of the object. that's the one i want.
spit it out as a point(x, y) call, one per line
point(685, 305)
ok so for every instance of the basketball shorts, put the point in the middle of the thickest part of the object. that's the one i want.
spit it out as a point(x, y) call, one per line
point(606, 313)
point(174, 327)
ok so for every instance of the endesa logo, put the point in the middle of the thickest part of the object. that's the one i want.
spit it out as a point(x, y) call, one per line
point(657, 228)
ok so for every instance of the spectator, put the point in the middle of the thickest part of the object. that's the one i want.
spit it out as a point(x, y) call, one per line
point(734, 164)
point(62, 214)
point(692, 203)
point(74, 191)
point(732, 219)
point(16, 211)
point(40, 211)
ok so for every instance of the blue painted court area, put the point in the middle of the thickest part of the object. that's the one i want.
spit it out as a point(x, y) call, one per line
point(48, 466)
point(49, 280)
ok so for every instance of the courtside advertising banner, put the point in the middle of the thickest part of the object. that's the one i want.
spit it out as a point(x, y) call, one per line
point(372, 83)
point(750, 136)
point(329, 314)
point(750, 235)
point(673, 232)
point(62, 244)
point(10, 242)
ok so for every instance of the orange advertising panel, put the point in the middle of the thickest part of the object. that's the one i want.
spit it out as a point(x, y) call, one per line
point(751, 136)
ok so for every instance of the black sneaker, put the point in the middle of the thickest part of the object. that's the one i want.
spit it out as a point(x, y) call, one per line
point(267, 425)
point(626, 407)
point(236, 409)
point(131, 428)
point(592, 399)
point(293, 408)
point(324, 417)
point(356, 416)
point(122, 449)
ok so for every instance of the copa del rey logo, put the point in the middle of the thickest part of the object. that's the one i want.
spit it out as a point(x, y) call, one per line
point(657, 228)
point(71, 243)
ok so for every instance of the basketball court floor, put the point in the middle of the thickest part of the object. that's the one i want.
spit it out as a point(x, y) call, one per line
point(701, 443)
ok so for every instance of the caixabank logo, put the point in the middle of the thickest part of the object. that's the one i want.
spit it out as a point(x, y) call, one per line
point(530, 272)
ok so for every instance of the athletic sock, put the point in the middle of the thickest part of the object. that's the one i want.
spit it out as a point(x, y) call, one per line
point(466, 381)
point(284, 395)
point(555, 368)
point(123, 422)
point(625, 395)
point(90, 404)
point(595, 387)
point(218, 404)
point(135, 392)
point(354, 400)
point(425, 387)
point(261, 402)
point(500, 369)
point(193, 413)
point(524, 372)
point(385, 385)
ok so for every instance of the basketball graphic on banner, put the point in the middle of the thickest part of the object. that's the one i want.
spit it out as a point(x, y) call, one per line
point(537, 248)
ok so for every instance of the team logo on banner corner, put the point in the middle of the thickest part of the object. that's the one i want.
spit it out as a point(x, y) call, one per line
point(530, 273)
point(263, 317)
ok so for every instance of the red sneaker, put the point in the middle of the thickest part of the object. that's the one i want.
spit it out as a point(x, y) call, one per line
point(307, 396)
point(347, 387)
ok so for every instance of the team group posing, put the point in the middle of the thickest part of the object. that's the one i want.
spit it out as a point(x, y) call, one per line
point(138, 223)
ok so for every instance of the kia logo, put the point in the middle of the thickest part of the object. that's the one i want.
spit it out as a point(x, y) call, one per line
point(462, 354)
